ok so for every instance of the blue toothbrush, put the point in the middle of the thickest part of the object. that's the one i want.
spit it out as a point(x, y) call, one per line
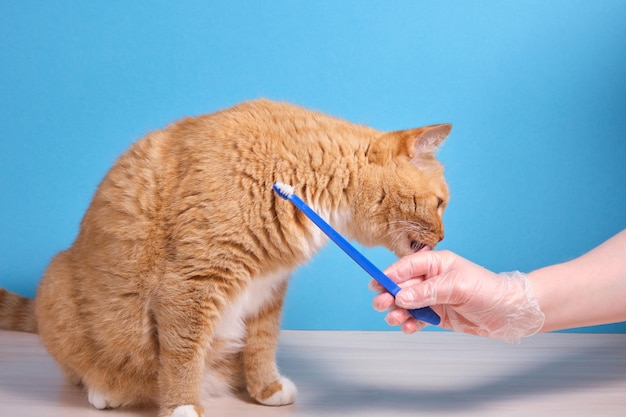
point(285, 191)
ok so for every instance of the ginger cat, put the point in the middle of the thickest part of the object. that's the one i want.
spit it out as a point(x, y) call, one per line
point(175, 283)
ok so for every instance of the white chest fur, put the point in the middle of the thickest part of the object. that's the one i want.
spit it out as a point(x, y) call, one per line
point(231, 327)
point(338, 219)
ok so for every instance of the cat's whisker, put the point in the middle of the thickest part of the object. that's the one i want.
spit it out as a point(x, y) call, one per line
point(398, 230)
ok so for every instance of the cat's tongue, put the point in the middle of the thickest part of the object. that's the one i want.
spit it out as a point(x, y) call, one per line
point(425, 248)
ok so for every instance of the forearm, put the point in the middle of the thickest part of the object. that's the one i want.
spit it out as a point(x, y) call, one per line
point(586, 291)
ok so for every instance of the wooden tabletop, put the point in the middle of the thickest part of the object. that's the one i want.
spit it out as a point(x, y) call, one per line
point(377, 374)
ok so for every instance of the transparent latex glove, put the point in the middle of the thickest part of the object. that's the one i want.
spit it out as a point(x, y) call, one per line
point(468, 297)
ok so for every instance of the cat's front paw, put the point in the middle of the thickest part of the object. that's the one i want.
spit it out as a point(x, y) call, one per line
point(280, 392)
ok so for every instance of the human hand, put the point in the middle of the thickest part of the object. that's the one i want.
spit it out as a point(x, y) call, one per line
point(468, 297)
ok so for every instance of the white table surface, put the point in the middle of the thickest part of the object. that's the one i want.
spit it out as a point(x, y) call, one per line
point(377, 374)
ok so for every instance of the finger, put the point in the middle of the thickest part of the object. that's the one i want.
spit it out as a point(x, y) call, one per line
point(375, 286)
point(383, 302)
point(412, 325)
point(397, 317)
point(417, 296)
point(446, 288)
point(412, 266)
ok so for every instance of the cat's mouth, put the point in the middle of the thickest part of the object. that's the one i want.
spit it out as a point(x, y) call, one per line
point(419, 246)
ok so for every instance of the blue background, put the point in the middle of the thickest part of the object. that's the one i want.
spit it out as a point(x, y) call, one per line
point(536, 92)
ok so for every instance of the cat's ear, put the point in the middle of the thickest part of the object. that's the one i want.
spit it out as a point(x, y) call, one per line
point(418, 144)
point(427, 139)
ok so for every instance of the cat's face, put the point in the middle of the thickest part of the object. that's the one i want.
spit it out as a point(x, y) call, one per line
point(403, 193)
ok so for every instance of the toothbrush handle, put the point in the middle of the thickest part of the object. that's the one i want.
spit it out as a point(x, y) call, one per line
point(424, 314)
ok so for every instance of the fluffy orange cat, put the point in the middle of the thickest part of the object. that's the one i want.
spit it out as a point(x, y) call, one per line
point(175, 283)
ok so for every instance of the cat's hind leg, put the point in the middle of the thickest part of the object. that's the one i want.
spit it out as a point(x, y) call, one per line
point(101, 400)
point(71, 376)
point(186, 312)
point(186, 411)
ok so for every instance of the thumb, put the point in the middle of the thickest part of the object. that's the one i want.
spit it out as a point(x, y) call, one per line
point(446, 288)
point(418, 295)
point(438, 290)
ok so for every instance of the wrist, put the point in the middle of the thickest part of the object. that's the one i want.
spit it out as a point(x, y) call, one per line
point(523, 316)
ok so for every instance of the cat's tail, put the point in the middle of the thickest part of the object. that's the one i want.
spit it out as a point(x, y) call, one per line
point(17, 313)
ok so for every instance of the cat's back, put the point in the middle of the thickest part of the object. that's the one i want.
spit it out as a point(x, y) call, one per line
point(262, 138)
point(265, 126)
point(220, 163)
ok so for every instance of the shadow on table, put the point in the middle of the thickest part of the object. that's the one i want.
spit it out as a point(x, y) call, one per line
point(577, 369)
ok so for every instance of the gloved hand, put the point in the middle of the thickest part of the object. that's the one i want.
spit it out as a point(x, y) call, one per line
point(469, 298)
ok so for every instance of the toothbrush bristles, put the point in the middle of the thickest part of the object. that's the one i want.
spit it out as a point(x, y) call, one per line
point(284, 190)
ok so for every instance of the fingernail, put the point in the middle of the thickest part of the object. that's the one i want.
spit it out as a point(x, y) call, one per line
point(406, 296)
